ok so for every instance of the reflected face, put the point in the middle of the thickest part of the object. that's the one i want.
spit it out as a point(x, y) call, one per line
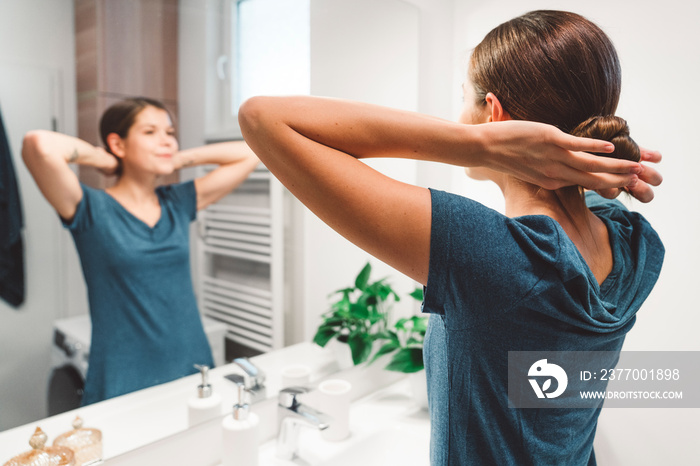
point(150, 143)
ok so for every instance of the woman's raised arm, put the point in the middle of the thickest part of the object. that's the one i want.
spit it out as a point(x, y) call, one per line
point(47, 155)
point(312, 146)
point(235, 159)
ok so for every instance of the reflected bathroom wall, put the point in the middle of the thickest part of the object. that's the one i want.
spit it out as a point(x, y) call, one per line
point(37, 90)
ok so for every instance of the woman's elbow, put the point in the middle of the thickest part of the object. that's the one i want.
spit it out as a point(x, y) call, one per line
point(251, 113)
point(32, 144)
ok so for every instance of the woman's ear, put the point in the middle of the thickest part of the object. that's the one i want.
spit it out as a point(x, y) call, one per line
point(495, 110)
point(116, 144)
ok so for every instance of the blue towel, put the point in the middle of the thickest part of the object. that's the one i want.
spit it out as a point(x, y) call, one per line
point(12, 287)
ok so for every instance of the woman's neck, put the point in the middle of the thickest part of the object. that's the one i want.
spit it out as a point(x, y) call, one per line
point(527, 199)
point(133, 190)
point(137, 197)
point(588, 233)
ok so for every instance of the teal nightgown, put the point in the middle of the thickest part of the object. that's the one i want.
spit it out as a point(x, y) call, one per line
point(146, 328)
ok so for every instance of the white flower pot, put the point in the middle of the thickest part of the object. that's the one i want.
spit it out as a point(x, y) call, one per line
point(342, 354)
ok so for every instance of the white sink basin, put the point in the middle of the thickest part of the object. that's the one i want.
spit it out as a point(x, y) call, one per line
point(394, 446)
point(386, 427)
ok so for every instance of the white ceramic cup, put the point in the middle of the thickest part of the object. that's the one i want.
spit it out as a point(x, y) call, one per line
point(296, 375)
point(334, 400)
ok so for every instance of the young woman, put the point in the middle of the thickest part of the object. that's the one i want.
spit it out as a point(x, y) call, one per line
point(550, 274)
point(133, 240)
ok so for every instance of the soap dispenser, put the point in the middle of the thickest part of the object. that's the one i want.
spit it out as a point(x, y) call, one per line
point(206, 404)
point(240, 433)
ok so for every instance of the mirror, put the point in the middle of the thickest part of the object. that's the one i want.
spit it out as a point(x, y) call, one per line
point(181, 53)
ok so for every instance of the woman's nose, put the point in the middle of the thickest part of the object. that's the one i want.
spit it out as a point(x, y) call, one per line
point(171, 142)
point(167, 140)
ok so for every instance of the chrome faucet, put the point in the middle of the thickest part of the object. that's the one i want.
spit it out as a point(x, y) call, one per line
point(254, 379)
point(291, 416)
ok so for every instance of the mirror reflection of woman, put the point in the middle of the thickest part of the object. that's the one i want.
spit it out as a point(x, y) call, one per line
point(558, 271)
point(133, 240)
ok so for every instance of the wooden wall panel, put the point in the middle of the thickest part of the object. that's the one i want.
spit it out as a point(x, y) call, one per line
point(85, 45)
point(124, 48)
point(140, 44)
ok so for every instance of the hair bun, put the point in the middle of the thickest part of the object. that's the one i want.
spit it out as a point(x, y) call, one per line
point(614, 129)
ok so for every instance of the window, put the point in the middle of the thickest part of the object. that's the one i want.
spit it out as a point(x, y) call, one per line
point(272, 49)
point(253, 47)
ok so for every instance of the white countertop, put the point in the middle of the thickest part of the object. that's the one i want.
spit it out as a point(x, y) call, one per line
point(145, 427)
point(131, 421)
point(387, 427)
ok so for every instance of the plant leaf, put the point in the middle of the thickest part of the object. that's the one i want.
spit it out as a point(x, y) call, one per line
point(359, 311)
point(417, 294)
point(407, 360)
point(394, 337)
point(413, 341)
point(401, 324)
point(383, 335)
point(369, 299)
point(385, 349)
point(333, 321)
point(342, 305)
point(420, 324)
point(346, 292)
point(323, 335)
point(376, 317)
point(360, 346)
point(388, 335)
point(363, 277)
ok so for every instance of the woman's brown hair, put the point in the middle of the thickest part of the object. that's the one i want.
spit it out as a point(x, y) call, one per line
point(559, 68)
point(555, 67)
point(120, 117)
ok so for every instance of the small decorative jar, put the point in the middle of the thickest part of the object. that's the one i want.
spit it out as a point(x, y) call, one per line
point(41, 455)
point(86, 443)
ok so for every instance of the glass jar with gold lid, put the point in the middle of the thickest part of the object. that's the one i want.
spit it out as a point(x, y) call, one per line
point(86, 443)
point(40, 455)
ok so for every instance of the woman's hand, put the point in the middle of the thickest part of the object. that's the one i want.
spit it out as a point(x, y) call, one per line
point(105, 162)
point(649, 177)
point(235, 160)
point(183, 158)
point(543, 155)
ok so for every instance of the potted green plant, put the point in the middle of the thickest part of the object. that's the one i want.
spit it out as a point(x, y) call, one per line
point(405, 340)
point(359, 315)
